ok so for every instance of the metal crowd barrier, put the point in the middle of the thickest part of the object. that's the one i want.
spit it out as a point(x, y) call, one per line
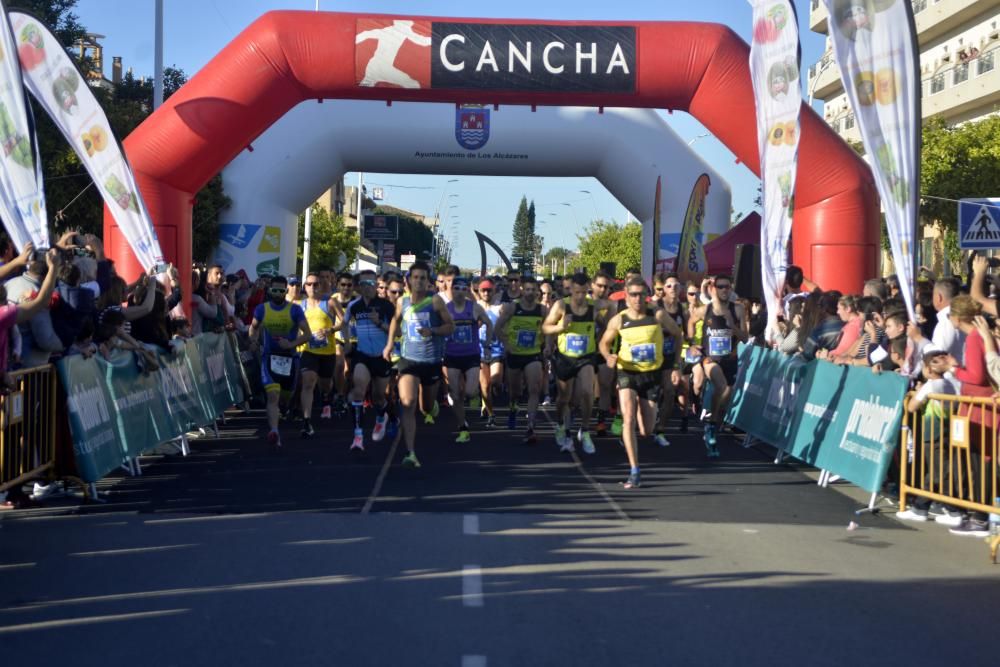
point(28, 426)
point(951, 457)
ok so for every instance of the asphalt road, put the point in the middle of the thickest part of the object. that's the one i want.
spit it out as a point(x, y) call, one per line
point(492, 553)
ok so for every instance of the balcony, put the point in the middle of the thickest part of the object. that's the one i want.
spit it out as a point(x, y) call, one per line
point(934, 19)
point(824, 78)
point(973, 89)
point(818, 17)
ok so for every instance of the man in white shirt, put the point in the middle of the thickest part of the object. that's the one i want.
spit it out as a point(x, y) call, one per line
point(946, 336)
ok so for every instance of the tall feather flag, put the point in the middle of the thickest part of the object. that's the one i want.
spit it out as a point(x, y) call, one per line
point(57, 84)
point(875, 45)
point(774, 68)
point(22, 193)
point(691, 261)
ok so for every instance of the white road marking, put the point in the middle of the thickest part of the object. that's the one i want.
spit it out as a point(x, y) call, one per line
point(137, 550)
point(472, 586)
point(473, 661)
point(470, 524)
point(382, 473)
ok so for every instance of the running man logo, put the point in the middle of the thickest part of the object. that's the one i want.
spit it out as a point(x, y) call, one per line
point(983, 228)
point(391, 53)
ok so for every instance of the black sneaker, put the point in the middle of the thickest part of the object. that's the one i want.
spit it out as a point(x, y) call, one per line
point(633, 481)
point(529, 437)
point(307, 429)
point(972, 528)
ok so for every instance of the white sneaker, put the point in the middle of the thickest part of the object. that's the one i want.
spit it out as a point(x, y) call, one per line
point(359, 440)
point(950, 520)
point(661, 440)
point(587, 443)
point(911, 515)
point(379, 431)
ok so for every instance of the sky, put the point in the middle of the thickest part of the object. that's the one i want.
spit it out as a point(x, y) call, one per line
point(196, 30)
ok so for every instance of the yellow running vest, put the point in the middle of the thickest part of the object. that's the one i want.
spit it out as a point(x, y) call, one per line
point(641, 343)
point(524, 330)
point(580, 340)
point(318, 319)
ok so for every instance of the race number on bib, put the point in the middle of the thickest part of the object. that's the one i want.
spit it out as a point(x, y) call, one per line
point(576, 344)
point(668, 347)
point(281, 366)
point(317, 341)
point(413, 326)
point(463, 334)
point(526, 339)
point(720, 346)
point(643, 353)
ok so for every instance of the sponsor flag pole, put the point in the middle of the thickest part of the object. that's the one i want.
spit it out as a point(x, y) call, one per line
point(22, 193)
point(657, 202)
point(691, 263)
point(774, 68)
point(875, 45)
point(54, 80)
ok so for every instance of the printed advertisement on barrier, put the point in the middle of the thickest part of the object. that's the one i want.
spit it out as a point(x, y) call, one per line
point(91, 418)
point(839, 418)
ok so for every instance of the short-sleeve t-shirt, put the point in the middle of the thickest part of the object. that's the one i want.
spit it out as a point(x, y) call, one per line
point(8, 318)
point(372, 338)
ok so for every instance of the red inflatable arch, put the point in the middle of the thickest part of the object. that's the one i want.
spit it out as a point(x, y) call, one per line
point(286, 57)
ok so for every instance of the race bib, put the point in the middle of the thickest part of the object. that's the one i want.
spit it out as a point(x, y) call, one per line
point(692, 356)
point(415, 324)
point(576, 344)
point(463, 334)
point(720, 346)
point(281, 366)
point(668, 347)
point(526, 339)
point(643, 353)
point(317, 341)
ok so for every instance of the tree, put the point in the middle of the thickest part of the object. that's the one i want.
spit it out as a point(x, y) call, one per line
point(333, 245)
point(523, 236)
point(608, 241)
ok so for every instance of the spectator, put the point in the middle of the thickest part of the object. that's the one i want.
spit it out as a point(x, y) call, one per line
point(84, 344)
point(74, 307)
point(39, 340)
point(294, 290)
point(208, 303)
point(790, 342)
point(925, 311)
point(826, 333)
point(946, 335)
point(876, 287)
point(847, 310)
point(28, 308)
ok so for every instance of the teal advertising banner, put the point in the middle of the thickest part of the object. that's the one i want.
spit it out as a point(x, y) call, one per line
point(843, 419)
point(117, 411)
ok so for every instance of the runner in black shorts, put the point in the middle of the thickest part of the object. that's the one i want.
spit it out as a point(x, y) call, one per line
point(462, 355)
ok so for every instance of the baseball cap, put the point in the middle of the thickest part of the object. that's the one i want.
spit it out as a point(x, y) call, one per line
point(293, 280)
point(459, 281)
point(486, 284)
point(932, 351)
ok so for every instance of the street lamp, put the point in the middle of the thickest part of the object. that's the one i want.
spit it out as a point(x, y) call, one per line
point(592, 203)
point(576, 220)
point(695, 139)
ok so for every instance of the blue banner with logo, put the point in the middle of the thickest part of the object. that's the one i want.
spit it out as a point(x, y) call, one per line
point(118, 410)
point(843, 419)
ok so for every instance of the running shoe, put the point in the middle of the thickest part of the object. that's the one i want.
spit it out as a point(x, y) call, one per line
point(474, 403)
point(972, 528)
point(327, 412)
point(601, 428)
point(661, 439)
point(529, 437)
point(587, 443)
point(512, 420)
point(273, 438)
point(450, 400)
point(429, 418)
point(463, 436)
point(307, 429)
point(710, 442)
point(435, 410)
point(912, 515)
point(392, 428)
point(616, 425)
point(950, 519)
point(561, 436)
point(379, 431)
point(547, 400)
point(359, 440)
point(633, 481)
point(491, 421)
point(410, 461)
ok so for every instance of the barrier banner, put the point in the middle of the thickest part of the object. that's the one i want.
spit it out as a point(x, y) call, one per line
point(842, 419)
point(22, 194)
point(875, 46)
point(57, 84)
point(117, 411)
point(774, 69)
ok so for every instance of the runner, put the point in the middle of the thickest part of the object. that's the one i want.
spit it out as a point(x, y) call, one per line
point(369, 316)
point(462, 354)
point(637, 366)
point(394, 289)
point(285, 328)
point(490, 347)
point(343, 296)
point(573, 320)
point(722, 328)
point(604, 308)
point(424, 321)
point(319, 353)
point(668, 288)
point(520, 325)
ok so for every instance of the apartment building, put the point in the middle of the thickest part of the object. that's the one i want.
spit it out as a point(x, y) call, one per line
point(959, 63)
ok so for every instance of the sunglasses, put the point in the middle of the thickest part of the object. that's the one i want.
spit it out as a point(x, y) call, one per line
point(459, 289)
point(395, 291)
point(486, 291)
point(718, 286)
point(513, 280)
point(672, 285)
point(636, 295)
point(692, 294)
point(367, 283)
point(658, 289)
point(309, 284)
point(277, 290)
point(346, 284)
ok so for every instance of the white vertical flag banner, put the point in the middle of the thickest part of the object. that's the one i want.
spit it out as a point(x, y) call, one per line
point(22, 195)
point(55, 81)
point(874, 43)
point(774, 69)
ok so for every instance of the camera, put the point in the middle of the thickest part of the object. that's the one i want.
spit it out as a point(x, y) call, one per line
point(994, 262)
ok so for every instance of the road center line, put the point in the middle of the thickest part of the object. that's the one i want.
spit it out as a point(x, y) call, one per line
point(593, 482)
point(472, 586)
point(382, 473)
point(470, 524)
point(473, 661)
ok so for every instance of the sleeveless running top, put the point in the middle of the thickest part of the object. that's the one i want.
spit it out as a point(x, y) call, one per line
point(580, 340)
point(524, 330)
point(641, 343)
point(495, 345)
point(279, 323)
point(718, 339)
point(319, 318)
point(669, 344)
point(463, 342)
point(416, 316)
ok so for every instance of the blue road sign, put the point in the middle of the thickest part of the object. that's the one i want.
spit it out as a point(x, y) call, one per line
point(979, 224)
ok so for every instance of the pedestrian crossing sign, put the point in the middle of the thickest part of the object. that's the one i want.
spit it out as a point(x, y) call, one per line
point(979, 224)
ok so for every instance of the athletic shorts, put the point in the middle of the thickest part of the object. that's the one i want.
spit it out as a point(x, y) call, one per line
point(567, 368)
point(278, 372)
point(646, 384)
point(518, 362)
point(429, 373)
point(464, 363)
point(321, 364)
point(730, 367)
point(377, 367)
